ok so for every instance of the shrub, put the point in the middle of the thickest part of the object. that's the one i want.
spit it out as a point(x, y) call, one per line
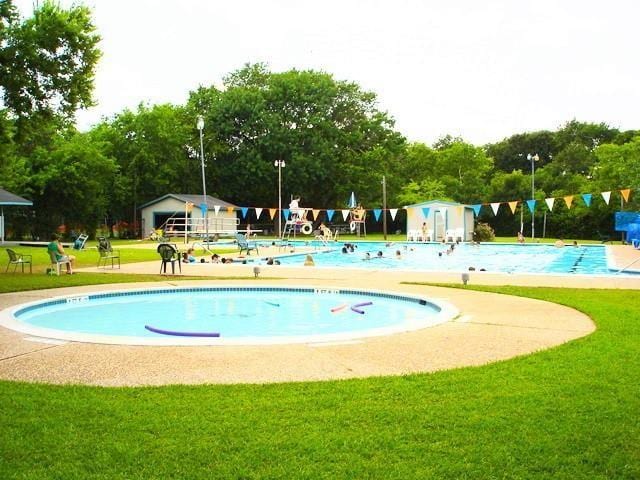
point(483, 233)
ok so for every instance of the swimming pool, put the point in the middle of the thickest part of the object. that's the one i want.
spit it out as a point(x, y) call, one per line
point(240, 315)
point(491, 257)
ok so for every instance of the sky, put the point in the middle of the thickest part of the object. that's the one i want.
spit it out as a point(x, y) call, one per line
point(481, 70)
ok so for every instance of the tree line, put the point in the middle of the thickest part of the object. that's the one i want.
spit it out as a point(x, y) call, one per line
point(331, 134)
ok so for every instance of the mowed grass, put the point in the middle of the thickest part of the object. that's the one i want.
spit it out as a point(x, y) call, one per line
point(571, 412)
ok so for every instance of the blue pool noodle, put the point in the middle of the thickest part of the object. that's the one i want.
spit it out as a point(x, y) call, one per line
point(181, 334)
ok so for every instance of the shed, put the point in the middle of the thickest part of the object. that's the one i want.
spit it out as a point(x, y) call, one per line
point(178, 212)
point(10, 199)
point(442, 220)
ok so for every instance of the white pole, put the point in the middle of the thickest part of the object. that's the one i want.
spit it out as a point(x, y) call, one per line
point(205, 211)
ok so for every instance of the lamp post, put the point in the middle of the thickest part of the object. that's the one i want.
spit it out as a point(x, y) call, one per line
point(280, 164)
point(205, 208)
point(533, 158)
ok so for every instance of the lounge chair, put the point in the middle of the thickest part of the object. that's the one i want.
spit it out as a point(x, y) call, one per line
point(107, 253)
point(169, 254)
point(78, 244)
point(245, 245)
point(55, 263)
point(16, 259)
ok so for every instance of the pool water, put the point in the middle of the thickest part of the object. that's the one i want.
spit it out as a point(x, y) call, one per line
point(505, 258)
point(235, 313)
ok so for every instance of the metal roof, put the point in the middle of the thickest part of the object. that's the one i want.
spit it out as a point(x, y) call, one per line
point(8, 198)
point(195, 199)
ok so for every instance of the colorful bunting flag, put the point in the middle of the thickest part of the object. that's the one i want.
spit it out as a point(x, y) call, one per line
point(230, 209)
point(568, 200)
point(244, 211)
point(532, 205)
point(330, 214)
point(376, 213)
point(272, 212)
point(393, 212)
point(513, 205)
point(216, 208)
point(285, 213)
point(425, 212)
point(587, 199)
point(476, 209)
point(625, 194)
point(258, 212)
point(550, 202)
point(495, 206)
point(315, 213)
point(606, 196)
point(345, 214)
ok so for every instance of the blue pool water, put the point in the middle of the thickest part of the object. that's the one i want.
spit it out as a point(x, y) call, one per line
point(506, 258)
point(234, 312)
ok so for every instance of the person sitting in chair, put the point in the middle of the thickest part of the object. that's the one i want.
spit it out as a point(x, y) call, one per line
point(358, 213)
point(294, 208)
point(56, 247)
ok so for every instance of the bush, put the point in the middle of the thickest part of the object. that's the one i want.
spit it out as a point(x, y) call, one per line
point(483, 233)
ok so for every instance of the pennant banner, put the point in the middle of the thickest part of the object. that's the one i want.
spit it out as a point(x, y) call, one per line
point(532, 205)
point(315, 213)
point(568, 200)
point(345, 214)
point(258, 212)
point(203, 209)
point(330, 214)
point(550, 202)
point(216, 208)
point(495, 206)
point(393, 212)
point(425, 212)
point(625, 194)
point(587, 199)
point(244, 211)
point(376, 213)
point(476, 209)
point(513, 205)
point(272, 212)
point(230, 209)
point(285, 213)
point(606, 196)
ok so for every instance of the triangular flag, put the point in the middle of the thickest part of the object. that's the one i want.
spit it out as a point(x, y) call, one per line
point(330, 214)
point(606, 196)
point(443, 212)
point(345, 214)
point(230, 209)
point(550, 202)
point(376, 213)
point(587, 199)
point(425, 212)
point(393, 212)
point(272, 212)
point(625, 194)
point(513, 205)
point(216, 208)
point(258, 212)
point(568, 199)
point(495, 206)
point(532, 205)
point(315, 213)
point(285, 213)
point(244, 211)
point(476, 208)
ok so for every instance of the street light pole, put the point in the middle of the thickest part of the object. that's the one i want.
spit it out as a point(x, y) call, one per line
point(205, 209)
point(280, 164)
point(533, 158)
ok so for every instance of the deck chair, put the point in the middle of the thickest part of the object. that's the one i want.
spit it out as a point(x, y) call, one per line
point(107, 253)
point(169, 254)
point(55, 263)
point(245, 245)
point(78, 244)
point(16, 259)
point(603, 238)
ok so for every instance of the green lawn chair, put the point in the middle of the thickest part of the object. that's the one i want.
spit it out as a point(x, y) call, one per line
point(16, 259)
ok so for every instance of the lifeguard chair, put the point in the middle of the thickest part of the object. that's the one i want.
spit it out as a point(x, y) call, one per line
point(297, 222)
point(357, 220)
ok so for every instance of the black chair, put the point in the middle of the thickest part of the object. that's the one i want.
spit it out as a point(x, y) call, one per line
point(107, 253)
point(169, 254)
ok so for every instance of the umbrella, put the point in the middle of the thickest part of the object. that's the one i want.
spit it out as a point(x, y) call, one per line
point(352, 200)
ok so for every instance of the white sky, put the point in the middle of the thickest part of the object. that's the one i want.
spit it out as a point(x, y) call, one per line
point(482, 70)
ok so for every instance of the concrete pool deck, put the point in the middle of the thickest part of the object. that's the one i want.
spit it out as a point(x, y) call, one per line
point(490, 328)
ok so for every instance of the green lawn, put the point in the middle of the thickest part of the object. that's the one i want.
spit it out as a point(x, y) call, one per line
point(571, 412)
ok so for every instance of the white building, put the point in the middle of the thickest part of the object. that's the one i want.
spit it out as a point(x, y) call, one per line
point(176, 212)
point(436, 220)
